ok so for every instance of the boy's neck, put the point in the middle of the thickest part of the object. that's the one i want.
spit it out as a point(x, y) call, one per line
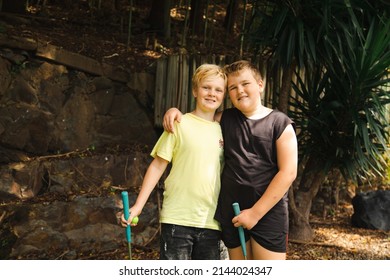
point(208, 116)
point(260, 112)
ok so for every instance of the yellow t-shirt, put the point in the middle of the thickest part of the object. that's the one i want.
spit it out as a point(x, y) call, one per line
point(193, 184)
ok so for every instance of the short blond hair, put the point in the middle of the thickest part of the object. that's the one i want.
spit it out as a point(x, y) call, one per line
point(205, 71)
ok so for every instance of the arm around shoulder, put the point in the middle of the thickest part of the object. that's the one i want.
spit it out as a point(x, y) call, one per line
point(169, 119)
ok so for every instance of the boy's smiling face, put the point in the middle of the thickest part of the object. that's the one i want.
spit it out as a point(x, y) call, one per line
point(245, 91)
point(209, 94)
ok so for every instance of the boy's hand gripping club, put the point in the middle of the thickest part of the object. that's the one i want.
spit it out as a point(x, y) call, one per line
point(236, 209)
point(125, 200)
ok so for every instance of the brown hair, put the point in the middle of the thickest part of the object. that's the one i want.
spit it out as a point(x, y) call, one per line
point(235, 67)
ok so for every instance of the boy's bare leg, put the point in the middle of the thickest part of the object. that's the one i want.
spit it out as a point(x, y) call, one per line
point(260, 253)
point(236, 253)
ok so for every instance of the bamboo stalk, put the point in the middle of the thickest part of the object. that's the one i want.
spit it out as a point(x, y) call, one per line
point(129, 26)
point(185, 29)
point(243, 29)
point(206, 21)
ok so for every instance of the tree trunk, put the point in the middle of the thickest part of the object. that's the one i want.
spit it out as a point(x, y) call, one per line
point(300, 200)
point(231, 14)
point(285, 88)
point(196, 17)
point(159, 17)
point(12, 6)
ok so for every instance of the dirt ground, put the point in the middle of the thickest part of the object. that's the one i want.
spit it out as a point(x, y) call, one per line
point(335, 238)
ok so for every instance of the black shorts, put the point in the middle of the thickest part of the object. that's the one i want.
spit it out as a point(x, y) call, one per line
point(273, 241)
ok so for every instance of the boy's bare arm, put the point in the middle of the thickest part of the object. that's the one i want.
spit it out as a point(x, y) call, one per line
point(287, 156)
point(169, 119)
point(174, 114)
point(151, 178)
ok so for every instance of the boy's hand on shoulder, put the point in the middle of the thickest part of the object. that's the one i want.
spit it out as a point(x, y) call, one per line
point(172, 115)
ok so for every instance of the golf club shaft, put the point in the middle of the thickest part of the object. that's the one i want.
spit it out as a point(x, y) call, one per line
point(129, 245)
point(125, 200)
point(236, 209)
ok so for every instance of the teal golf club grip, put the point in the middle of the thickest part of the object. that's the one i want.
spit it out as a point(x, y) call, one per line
point(125, 200)
point(236, 209)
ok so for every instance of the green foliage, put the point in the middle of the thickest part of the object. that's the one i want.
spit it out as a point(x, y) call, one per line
point(342, 50)
point(285, 30)
point(340, 108)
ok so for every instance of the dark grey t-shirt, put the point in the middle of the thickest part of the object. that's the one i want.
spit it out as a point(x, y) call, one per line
point(250, 165)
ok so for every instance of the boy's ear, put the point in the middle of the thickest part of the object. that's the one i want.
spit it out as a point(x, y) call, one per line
point(261, 85)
